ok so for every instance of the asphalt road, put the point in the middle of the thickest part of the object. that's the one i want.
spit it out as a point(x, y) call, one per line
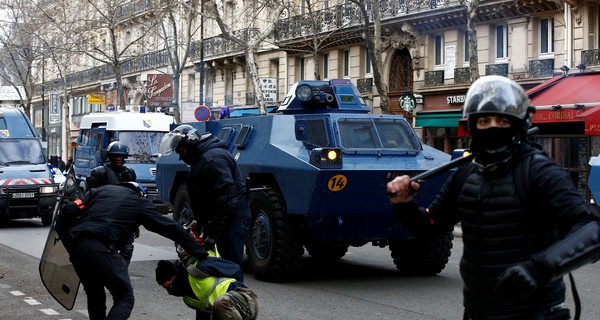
point(362, 285)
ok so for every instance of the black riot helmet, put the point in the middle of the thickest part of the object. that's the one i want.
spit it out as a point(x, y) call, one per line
point(499, 96)
point(184, 135)
point(116, 148)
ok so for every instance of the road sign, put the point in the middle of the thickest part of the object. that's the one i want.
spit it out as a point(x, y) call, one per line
point(202, 113)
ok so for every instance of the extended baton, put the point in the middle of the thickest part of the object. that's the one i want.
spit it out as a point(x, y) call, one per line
point(455, 163)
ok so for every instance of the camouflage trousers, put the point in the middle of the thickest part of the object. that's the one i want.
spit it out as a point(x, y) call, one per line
point(238, 304)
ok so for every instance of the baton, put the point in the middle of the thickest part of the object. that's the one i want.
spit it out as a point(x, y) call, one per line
point(455, 163)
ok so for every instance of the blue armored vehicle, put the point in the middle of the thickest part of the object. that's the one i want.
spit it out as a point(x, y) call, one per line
point(316, 175)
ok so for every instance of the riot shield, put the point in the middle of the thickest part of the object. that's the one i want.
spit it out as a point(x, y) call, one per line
point(56, 271)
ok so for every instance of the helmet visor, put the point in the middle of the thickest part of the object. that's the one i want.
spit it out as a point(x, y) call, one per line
point(169, 142)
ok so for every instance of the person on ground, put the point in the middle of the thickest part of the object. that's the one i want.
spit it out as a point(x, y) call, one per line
point(212, 287)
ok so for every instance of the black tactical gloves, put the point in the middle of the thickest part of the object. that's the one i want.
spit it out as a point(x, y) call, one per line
point(522, 280)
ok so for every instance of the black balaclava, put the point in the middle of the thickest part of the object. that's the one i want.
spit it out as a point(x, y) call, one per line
point(495, 145)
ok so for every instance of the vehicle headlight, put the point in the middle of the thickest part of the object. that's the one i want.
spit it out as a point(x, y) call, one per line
point(326, 158)
point(48, 189)
point(303, 92)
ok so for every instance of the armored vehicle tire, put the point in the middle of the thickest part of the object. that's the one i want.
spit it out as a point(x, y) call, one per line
point(182, 210)
point(422, 257)
point(46, 219)
point(326, 251)
point(273, 249)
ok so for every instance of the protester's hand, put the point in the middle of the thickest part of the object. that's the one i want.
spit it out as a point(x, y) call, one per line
point(401, 189)
point(519, 281)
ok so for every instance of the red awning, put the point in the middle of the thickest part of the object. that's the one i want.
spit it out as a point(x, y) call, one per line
point(590, 116)
point(575, 88)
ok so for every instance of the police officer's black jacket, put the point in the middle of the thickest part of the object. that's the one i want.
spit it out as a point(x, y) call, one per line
point(106, 174)
point(216, 188)
point(500, 229)
point(112, 213)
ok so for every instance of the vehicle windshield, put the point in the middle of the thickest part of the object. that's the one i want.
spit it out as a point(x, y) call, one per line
point(21, 151)
point(383, 133)
point(143, 145)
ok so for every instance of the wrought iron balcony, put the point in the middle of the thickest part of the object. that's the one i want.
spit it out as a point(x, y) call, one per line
point(136, 7)
point(93, 75)
point(434, 78)
point(590, 57)
point(364, 85)
point(348, 15)
point(462, 75)
point(219, 46)
point(541, 68)
point(499, 69)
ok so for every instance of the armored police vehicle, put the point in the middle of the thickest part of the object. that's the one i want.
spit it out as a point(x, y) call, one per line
point(27, 186)
point(316, 175)
point(140, 131)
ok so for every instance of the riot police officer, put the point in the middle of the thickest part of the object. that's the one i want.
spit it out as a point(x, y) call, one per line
point(93, 227)
point(216, 188)
point(517, 243)
point(115, 172)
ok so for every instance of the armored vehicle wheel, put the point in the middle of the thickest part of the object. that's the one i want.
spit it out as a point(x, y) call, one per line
point(422, 257)
point(182, 210)
point(326, 251)
point(46, 219)
point(273, 249)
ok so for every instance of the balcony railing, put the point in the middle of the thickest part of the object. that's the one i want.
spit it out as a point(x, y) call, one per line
point(219, 46)
point(135, 7)
point(145, 62)
point(434, 78)
point(499, 69)
point(590, 57)
point(364, 85)
point(347, 15)
point(541, 68)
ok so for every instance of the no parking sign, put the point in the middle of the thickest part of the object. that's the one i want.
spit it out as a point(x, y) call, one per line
point(202, 113)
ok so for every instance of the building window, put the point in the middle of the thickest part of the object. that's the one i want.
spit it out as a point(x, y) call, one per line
point(191, 86)
point(346, 63)
point(367, 62)
point(439, 50)
point(302, 70)
point(326, 66)
point(501, 41)
point(467, 52)
point(547, 35)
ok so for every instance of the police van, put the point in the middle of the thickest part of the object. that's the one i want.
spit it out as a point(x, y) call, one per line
point(141, 132)
point(27, 185)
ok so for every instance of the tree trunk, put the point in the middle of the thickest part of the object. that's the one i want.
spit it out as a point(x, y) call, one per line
point(253, 73)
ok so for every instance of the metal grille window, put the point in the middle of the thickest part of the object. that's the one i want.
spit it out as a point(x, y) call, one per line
point(375, 134)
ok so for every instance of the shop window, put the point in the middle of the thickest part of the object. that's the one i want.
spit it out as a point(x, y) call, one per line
point(325, 66)
point(571, 153)
point(346, 62)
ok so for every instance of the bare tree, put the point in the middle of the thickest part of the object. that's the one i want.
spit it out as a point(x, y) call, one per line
point(177, 31)
point(320, 30)
point(102, 34)
point(471, 8)
point(18, 55)
point(373, 40)
point(263, 15)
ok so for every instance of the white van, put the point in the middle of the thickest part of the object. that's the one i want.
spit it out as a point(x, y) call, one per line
point(141, 132)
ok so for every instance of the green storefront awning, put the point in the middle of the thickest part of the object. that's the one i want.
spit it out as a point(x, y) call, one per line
point(445, 119)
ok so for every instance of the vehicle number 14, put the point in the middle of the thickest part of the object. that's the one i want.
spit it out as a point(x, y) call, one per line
point(337, 183)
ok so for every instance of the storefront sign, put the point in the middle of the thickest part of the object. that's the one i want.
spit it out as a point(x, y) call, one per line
point(96, 98)
point(458, 99)
point(54, 115)
point(556, 115)
point(159, 90)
